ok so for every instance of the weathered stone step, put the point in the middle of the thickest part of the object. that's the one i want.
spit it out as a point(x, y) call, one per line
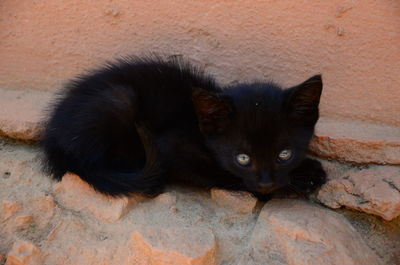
point(21, 112)
point(347, 141)
point(357, 142)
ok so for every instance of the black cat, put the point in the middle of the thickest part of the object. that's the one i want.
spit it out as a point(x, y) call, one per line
point(140, 123)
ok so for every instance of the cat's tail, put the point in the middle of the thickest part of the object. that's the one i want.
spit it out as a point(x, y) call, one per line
point(149, 180)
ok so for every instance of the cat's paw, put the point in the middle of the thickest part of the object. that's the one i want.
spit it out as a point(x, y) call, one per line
point(308, 176)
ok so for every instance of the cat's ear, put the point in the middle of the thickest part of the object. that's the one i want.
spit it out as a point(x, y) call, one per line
point(303, 100)
point(213, 110)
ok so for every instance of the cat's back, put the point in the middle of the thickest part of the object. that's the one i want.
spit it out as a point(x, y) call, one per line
point(94, 116)
point(105, 102)
point(157, 88)
point(150, 74)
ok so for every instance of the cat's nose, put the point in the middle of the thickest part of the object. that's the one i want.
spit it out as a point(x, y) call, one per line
point(265, 181)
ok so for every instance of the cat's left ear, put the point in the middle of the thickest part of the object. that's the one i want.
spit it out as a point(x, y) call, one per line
point(214, 110)
point(303, 100)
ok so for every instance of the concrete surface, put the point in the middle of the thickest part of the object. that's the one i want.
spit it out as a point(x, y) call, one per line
point(48, 223)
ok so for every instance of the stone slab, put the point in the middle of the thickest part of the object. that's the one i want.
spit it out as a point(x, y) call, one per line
point(298, 232)
point(357, 142)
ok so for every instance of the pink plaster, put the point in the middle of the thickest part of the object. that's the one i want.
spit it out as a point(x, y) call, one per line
point(354, 44)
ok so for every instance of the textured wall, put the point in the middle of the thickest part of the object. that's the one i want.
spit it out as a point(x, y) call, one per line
point(354, 44)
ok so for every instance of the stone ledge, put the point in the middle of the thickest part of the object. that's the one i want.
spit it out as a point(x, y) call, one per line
point(21, 113)
point(356, 142)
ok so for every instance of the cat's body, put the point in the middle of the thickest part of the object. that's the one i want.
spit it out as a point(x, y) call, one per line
point(138, 124)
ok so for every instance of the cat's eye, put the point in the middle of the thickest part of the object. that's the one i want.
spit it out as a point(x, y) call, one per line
point(243, 159)
point(285, 155)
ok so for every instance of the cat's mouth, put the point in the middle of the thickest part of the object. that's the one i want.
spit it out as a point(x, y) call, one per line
point(266, 190)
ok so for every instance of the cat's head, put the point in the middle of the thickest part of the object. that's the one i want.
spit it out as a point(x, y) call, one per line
point(258, 131)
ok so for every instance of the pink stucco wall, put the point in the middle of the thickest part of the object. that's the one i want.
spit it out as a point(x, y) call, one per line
point(354, 44)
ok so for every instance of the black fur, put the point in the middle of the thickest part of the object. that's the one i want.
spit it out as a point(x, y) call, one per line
point(140, 123)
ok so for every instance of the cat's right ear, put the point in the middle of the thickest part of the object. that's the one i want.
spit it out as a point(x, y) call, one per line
point(303, 100)
point(213, 110)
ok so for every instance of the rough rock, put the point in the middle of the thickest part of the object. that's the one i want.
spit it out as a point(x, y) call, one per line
point(167, 199)
point(9, 208)
point(35, 212)
point(21, 113)
point(237, 201)
point(173, 246)
point(73, 193)
point(374, 190)
point(23, 253)
point(73, 242)
point(44, 208)
point(357, 142)
point(297, 232)
point(23, 221)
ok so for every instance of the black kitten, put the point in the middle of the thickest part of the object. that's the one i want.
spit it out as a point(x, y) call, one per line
point(138, 124)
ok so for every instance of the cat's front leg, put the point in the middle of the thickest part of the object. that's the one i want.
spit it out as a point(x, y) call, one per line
point(308, 176)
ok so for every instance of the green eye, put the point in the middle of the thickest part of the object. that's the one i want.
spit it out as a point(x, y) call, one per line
point(243, 159)
point(285, 155)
